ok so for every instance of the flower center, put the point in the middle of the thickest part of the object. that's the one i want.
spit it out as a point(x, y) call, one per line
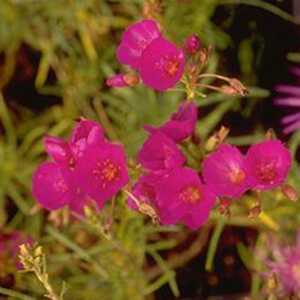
point(237, 176)
point(266, 172)
point(171, 66)
point(60, 186)
point(191, 194)
point(107, 171)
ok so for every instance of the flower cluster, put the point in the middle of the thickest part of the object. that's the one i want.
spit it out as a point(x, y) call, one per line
point(85, 167)
point(174, 191)
point(178, 194)
point(231, 174)
point(159, 62)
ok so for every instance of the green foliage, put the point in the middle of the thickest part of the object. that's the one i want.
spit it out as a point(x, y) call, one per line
point(75, 43)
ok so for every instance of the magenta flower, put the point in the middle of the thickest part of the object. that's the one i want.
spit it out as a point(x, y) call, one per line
point(192, 44)
point(85, 133)
point(159, 62)
point(64, 181)
point(182, 123)
point(145, 191)
point(285, 265)
point(268, 164)
point(135, 40)
point(224, 171)
point(9, 247)
point(160, 153)
point(162, 64)
point(51, 188)
point(183, 198)
point(290, 98)
point(102, 172)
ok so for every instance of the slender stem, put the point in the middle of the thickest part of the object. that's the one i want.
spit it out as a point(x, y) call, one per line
point(208, 86)
point(43, 278)
point(104, 118)
point(14, 294)
point(264, 5)
point(212, 248)
point(209, 75)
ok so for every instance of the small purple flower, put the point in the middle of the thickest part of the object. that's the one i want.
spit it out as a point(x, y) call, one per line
point(224, 171)
point(285, 265)
point(183, 198)
point(290, 98)
point(162, 64)
point(192, 44)
point(160, 153)
point(135, 40)
point(268, 164)
point(102, 172)
point(181, 124)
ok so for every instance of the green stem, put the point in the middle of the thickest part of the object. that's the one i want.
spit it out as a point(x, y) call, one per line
point(212, 248)
point(14, 294)
point(263, 5)
point(104, 120)
point(78, 250)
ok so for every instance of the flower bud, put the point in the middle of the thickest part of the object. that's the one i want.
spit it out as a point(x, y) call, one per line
point(290, 192)
point(192, 44)
point(131, 79)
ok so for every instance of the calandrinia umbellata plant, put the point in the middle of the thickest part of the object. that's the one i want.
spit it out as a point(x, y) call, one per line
point(176, 178)
point(133, 193)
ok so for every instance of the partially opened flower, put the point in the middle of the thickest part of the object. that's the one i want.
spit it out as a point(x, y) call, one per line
point(85, 133)
point(290, 98)
point(135, 40)
point(183, 198)
point(181, 124)
point(268, 164)
point(102, 172)
point(160, 153)
point(225, 172)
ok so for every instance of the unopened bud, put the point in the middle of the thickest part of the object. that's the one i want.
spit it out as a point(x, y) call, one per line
point(270, 134)
point(204, 55)
point(290, 192)
point(216, 139)
point(238, 86)
point(192, 44)
point(224, 207)
point(131, 79)
point(228, 90)
point(254, 212)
